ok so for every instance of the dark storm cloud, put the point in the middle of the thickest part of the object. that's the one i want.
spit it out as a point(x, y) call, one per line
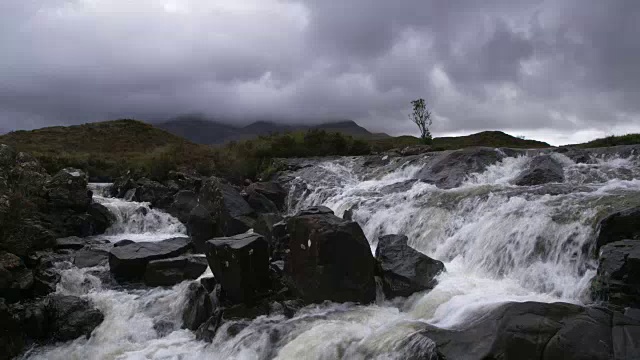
point(563, 70)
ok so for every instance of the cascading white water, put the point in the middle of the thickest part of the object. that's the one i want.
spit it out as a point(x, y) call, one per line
point(137, 221)
point(499, 243)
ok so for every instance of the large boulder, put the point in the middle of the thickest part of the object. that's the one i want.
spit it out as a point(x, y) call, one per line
point(537, 331)
point(15, 279)
point(405, 270)
point(618, 278)
point(183, 202)
point(25, 236)
point(101, 218)
point(168, 272)
point(542, 169)
point(618, 226)
point(449, 169)
point(270, 190)
point(68, 189)
point(200, 306)
point(329, 259)
point(238, 212)
point(92, 255)
point(153, 192)
point(207, 219)
point(71, 317)
point(241, 265)
point(129, 262)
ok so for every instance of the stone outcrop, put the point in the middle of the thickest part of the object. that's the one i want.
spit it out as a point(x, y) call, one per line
point(449, 169)
point(404, 269)
point(168, 272)
point(542, 169)
point(618, 279)
point(129, 262)
point(618, 226)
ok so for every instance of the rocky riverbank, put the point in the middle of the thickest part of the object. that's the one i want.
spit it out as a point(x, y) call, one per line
point(284, 266)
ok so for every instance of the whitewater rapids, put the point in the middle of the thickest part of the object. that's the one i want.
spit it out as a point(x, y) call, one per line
point(499, 243)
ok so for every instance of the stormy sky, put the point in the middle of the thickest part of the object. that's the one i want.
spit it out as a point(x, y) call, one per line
point(563, 71)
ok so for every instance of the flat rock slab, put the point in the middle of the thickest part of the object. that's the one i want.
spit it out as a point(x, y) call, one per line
point(129, 262)
point(168, 272)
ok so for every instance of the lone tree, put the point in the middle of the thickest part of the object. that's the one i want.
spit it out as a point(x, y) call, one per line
point(422, 117)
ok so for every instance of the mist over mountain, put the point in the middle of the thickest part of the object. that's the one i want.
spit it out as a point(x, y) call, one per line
point(201, 130)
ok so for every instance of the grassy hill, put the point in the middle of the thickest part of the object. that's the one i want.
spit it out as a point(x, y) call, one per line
point(105, 149)
point(485, 138)
point(629, 139)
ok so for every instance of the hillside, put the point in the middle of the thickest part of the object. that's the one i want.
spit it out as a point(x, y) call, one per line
point(202, 131)
point(629, 139)
point(104, 148)
point(485, 138)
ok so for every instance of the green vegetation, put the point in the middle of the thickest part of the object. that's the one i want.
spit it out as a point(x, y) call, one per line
point(629, 139)
point(108, 149)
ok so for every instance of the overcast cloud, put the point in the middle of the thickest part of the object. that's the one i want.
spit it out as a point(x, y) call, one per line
point(562, 71)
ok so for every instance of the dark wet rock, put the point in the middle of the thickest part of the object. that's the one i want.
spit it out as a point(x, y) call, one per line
point(264, 225)
point(207, 331)
point(153, 192)
point(163, 327)
point(401, 186)
point(404, 269)
point(239, 213)
point(45, 281)
point(168, 272)
point(183, 202)
point(68, 189)
point(16, 280)
point(71, 242)
point(542, 169)
point(618, 279)
point(450, 168)
point(315, 210)
point(123, 242)
point(206, 220)
point(261, 203)
point(619, 226)
point(200, 307)
point(71, 317)
point(27, 236)
point(101, 218)
point(92, 255)
point(240, 264)
point(202, 226)
point(329, 259)
point(271, 190)
point(129, 262)
point(533, 330)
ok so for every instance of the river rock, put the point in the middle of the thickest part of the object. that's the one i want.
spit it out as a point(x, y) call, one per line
point(92, 255)
point(153, 192)
point(329, 259)
point(200, 307)
point(207, 220)
point(183, 202)
point(535, 331)
point(261, 203)
point(71, 317)
point(15, 279)
point(168, 272)
point(69, 243)
point(404, 269)
point(129, 262)
point(239, 214)
point(542, 169)
point(101, 218)
point(26, 236)
point(618, 278)
point(620, 225)
point(241, 265)
point(68, 189)
point(264, 225)
point(449, 169)
point(271, 190)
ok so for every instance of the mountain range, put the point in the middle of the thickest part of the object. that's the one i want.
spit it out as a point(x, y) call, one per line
point(203, 131)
